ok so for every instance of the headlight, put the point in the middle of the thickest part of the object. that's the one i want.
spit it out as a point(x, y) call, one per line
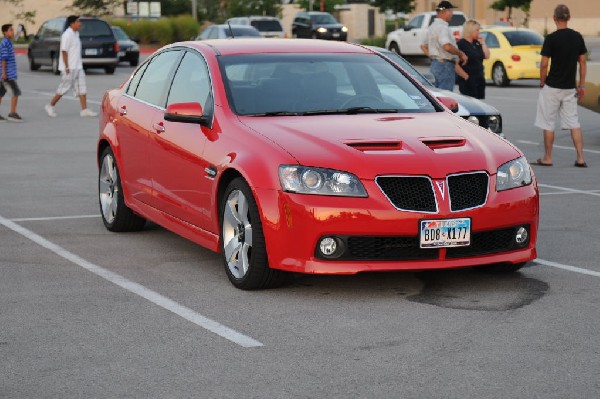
point(473, 119)
point(513, 174)
point(135, 47)
point(494, 123)
point(319, 181)
point(344, 29)
point(321, 30)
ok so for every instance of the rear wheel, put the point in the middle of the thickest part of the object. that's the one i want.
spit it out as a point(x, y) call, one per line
point(116, 215)
point(55, 65)
point(243, 242)
point(32, 65)
point(134, 62)
point(499, 75)
point(110, 69)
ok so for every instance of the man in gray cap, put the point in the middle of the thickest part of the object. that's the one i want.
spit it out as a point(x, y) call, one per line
point(440, 46)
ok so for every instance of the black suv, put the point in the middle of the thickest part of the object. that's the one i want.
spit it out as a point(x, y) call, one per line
point(318, 25)
point(99, 47)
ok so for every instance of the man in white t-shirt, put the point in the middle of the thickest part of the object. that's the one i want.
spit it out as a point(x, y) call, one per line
point(71, 69)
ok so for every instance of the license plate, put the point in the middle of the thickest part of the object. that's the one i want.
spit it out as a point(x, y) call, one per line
point(336, 34)
point(440, 233)
point(91, 51)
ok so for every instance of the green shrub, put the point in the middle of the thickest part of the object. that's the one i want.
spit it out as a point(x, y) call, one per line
point(184, 28)
point(159, 31)
point(378, 41)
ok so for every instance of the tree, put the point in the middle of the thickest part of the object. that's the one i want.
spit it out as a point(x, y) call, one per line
point(501, 5)
point(96, 7)
point(22, 15)
point(395, 5)
point(239, 8)
point(329, 5)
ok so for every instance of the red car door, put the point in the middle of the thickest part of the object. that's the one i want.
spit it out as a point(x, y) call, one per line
point(181, 182)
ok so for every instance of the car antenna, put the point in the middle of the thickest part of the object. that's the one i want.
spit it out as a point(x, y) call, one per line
point(230, 30)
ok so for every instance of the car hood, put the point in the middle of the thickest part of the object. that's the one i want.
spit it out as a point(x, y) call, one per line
point(434, 144)
point(472, 105)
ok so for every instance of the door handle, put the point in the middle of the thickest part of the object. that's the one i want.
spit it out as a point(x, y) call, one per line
point(159, 127)
point(123, 111)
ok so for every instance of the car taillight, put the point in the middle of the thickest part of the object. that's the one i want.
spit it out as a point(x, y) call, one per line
point(516, 57)
point(116, 47)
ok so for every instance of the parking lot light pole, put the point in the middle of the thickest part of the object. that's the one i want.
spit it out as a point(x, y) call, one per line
point(195, 9)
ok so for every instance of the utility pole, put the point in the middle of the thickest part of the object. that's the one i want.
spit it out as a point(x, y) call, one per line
point(195, 9)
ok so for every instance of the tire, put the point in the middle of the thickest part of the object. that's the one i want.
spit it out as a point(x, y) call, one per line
point(499, 75)
point(501, 268)
point(394, 47)
point(110, 69)
point(55, 65)
point(32, 65)
point(116, 215)
point(134, 62)
point(243, 242)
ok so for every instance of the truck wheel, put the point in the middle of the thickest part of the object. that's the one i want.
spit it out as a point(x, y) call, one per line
point(394, 47)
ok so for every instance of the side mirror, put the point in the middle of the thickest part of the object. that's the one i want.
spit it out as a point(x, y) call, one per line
point(449, 103)
point(407, 28)
point(186, 113)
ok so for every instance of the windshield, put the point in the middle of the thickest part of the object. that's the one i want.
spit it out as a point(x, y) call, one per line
point(523, 38)
point(242, 32)
point(94, 27)
point(323, 19)
point(120, 34)
point(305, 84)
point(267, 25)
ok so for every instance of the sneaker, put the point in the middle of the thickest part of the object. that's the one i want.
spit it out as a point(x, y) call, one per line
point(87, 113)
point(2, 119)
point(50, 111)
point(13, 116)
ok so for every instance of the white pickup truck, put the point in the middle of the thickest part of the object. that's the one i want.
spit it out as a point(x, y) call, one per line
point(407, 41)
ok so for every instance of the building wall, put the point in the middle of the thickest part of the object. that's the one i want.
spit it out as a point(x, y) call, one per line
point(584, 18)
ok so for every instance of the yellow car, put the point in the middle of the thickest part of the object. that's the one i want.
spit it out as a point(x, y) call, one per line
point(514, 54)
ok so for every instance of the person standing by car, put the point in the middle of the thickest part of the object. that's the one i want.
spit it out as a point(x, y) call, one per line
point(71, 69)
point(470, 78)
point(559, 92)
point(440, 48)
point(9, 72)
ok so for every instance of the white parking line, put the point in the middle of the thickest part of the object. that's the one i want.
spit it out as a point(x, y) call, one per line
point(562, 147)
point(568, 267)
point(595, 193)
point(137, 289)
point(55, 218)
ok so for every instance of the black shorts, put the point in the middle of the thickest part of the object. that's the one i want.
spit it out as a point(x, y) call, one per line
point(13, 86)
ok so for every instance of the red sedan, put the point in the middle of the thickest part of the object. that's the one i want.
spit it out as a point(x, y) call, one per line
point(309, 156)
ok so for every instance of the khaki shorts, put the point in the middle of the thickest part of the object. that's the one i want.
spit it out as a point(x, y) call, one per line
point(554, 102)
point(74, 80)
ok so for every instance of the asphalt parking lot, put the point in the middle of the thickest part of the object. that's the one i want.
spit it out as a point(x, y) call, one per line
point(89, 313)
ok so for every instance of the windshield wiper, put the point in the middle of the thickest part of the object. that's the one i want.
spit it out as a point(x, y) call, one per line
point(278, 113)
point(352, 111)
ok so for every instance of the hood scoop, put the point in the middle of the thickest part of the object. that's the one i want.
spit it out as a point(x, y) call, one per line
point(378, 145)
point(439, 143)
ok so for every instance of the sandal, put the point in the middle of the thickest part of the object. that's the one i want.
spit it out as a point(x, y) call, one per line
point(540, 163)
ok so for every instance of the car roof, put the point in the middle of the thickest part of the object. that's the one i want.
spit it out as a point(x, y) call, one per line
point(501, 28)
point(253, 46)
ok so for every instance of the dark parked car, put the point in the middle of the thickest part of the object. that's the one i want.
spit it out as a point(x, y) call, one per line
point(99, 46)
point(318, 25)
point(129, 51)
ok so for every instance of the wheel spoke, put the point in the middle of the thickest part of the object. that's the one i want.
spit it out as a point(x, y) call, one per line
point(248, 234)
point(231, 249)
point(244, 259)
point(104, 186)
point(242, 208)
point(230, 217)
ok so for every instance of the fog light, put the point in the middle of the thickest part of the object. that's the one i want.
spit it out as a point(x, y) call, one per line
point(473, 119)
point(522, 236)
point(331, 247)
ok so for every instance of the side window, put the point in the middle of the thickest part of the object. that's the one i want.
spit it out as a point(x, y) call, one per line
point(54, 29)
point(191, 82)
point(154, 83)
point(42, 30)
point(457, 20)
point(133, 84)
point(213, 33)
point(491, 40)
point(415, 22)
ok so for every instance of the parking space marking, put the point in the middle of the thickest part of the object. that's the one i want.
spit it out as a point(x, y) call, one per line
point(594, 193)
point(55, 218)
point(568, 267)
point(562, 147)
point(135, 288)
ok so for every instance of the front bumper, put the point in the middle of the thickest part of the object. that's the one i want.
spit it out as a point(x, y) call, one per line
point(293, 224)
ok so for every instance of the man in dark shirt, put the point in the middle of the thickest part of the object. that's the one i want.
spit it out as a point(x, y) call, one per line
point(566, 48)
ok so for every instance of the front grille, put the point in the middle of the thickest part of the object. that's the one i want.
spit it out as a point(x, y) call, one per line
point(488, 242)
point(467, 190)
point(409, 193)
point(387, 248)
